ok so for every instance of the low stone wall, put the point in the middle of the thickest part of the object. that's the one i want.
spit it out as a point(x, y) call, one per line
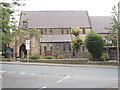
point(60, 61)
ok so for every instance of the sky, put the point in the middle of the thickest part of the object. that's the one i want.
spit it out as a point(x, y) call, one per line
point(94, 7)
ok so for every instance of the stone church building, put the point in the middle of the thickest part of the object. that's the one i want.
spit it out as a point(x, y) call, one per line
point(55, 26)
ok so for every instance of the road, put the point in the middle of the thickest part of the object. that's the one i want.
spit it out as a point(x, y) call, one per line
point(31, 76)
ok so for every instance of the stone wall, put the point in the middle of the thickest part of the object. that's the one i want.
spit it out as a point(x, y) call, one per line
point(60, 51)
point(37, 48)
point(59, 31)
point(21, 40)
point(34, 46)
point(57, 49)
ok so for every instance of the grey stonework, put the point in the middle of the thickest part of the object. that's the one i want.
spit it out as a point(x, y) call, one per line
point(55, 26)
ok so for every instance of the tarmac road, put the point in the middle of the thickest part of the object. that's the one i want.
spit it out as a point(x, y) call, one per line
point(33, 76)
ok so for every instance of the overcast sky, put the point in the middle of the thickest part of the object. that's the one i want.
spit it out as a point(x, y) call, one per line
point(94, 7)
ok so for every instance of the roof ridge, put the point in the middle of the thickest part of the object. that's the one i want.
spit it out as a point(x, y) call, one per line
point(59, 11)
point(100, 16)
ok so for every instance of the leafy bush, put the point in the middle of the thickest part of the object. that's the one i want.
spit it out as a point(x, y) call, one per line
point(42, 57)
point(61, 56)
point(2, 57)
point(95, 44)
point(34, 57)
point(105, 57)
point(56, 58)
point(49, 57)
point(91, 58)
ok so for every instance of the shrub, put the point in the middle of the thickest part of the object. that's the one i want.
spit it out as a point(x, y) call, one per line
point(105, 57)
point(42, 57)
point(95, 44)
point(56, 58)
point(49, 57)
point(91, 58)
point(61, 56)
point(34, 57)
point(2, 56)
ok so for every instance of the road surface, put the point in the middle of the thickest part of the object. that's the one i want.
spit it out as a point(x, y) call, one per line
point(32, 76)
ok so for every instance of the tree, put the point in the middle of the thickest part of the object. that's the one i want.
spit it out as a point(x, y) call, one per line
point(115, 26)
point(95, 44)
point(76, 31)
point(7, 22)
point(76, 42)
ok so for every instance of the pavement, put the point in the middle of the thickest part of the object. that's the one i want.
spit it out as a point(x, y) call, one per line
point(62, 65)
point(34, 75)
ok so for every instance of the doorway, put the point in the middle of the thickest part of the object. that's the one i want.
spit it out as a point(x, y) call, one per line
point(22, 51)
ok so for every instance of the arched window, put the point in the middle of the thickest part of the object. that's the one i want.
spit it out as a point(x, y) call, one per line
point(83, 30)
point(41, 31)
point(45, 48)
point(63, 47)
point(67, 31)
point(45, 31)
point(50, 31)
point(69, 47)
point(62, 31)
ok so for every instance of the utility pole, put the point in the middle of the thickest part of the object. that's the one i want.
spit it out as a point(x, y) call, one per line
point(118, 31)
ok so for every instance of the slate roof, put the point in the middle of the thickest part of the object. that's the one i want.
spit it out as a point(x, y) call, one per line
point(56, 19)
point(56, 38)
point(59, 38)
point(99, 23)
point(65, 19)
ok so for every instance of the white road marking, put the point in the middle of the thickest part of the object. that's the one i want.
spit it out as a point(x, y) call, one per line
point(3, 71)
point(22, 73)
point(63, 79)
point(44, 87)
point(115, 87)
point(31, 74)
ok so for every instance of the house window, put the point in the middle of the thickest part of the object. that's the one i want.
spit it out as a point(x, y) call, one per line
point(45, 31)
point(67, 31)
point(63, 47)
point(62, 31)
point(83, 30)
point(69, 47)
point(41, 31)
point(45, 48)
point(51, 48)
point(50, 31)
